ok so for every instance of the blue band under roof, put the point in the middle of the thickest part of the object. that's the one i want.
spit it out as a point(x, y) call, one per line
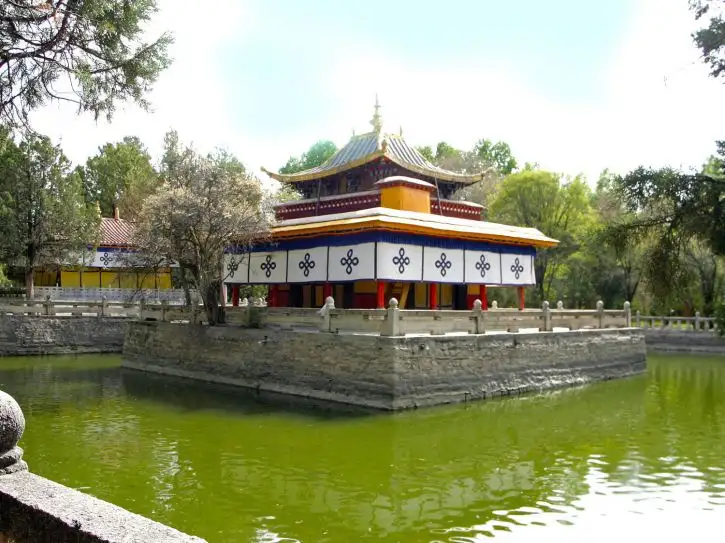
point(387, 237)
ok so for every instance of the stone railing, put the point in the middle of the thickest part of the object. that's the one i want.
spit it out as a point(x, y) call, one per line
point(35, 509)
point(684, 324)
point(78, 294)
point(394, 321)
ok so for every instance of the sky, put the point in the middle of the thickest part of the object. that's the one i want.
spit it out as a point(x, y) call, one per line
point(575, 86)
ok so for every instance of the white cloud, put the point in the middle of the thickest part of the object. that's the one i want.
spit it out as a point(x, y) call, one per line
point(656, 107)
point(191, 96)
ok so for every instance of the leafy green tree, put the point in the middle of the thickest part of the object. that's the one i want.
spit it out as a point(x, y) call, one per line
point(44, 220)
point(87, 52)
point(496, 155)
point(711, 38)
point(120, 174)
point(559, 208)
point(672, 208)
point(427, 152)
point(314, 156)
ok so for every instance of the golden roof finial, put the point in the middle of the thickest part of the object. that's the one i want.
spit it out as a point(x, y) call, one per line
point(401, 131)
point(377, 120)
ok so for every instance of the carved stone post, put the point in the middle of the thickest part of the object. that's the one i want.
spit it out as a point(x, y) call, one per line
point(627, 315)
point(47, 305)
point(600, 313)
point(478, 317)
point(12, 426)
point(697, 321)
point(104, 306)
point(164, 308)
point(559, 305)
point(547, 317)
point(326, 323)
point(391, 324)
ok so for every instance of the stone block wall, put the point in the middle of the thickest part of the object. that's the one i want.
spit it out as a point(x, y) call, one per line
point(684, 341)
point(383, 372)
point(37, 335)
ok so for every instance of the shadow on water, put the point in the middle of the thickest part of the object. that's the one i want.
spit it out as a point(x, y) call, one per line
point(190, 395)
point(82, 373)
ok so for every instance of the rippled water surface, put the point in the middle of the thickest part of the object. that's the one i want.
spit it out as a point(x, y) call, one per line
point(639, 459)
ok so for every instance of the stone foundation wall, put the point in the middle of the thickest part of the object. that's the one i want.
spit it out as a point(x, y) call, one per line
point(681, 341)
point(384, 372)
point(35, 335)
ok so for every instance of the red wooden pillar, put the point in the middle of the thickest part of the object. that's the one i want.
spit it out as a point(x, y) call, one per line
point(235, 295)
point(381, 295)
point(433, 295)
point(326, 291)
point(484, 298)
point(522, 298)
point(272, 299)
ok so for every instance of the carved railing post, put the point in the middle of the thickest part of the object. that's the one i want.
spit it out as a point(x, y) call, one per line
point(391, 324)
point(326, 323)
point(494, 305)
point(12, 426)
point(697, 321)
point(478, 317)
point(547, 317)
point(164, 308)
point(600, 313)
point(104, 306)
point(559, 305)
point(627, 315)
point(638, 319)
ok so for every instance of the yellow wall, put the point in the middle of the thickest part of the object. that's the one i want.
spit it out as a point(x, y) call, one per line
point(95, 278)
point(421, 296)
point(405, 199)
point(365, 287)
point(446, 294)
point(474, 289)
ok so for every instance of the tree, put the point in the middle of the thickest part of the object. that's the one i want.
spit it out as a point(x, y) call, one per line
point(120, 174)
point(44, 220)
point(496, 155)
point(560, 209)
point(711, 38)
point(314, 156)
point(207, 205)
point(672, 208)
point(87, 52)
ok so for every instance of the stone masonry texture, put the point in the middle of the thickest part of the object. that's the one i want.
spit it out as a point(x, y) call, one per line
point(384, 372)
point(683, 341)
point(38, 335)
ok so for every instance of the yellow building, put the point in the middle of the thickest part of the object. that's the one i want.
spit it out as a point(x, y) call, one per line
point(105, 267)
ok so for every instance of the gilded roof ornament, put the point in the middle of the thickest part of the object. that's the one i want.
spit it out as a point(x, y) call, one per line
point(377, 120)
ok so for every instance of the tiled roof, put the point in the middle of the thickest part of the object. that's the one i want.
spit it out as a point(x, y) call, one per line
point(452, 227)
point(367, 147)
point(116, 232)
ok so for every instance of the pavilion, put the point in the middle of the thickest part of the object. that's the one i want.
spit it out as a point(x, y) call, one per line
point(376, 221)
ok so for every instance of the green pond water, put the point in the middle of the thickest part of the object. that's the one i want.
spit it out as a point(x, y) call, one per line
point(636, 459)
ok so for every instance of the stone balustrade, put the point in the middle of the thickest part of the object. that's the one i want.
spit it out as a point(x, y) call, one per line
point(86, 294)
point(34, 509)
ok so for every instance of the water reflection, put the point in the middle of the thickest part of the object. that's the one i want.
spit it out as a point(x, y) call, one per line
point(228, 466)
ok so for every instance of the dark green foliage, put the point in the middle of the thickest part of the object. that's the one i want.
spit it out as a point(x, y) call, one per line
point(120, 174)
point(710, 39)
point(87, 52)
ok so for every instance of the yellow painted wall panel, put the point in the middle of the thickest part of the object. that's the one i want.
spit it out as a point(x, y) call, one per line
point(365, 287)
point(70, 278)
point(306, 296)
point(318, 296)
point(421, 296)
point(474, 289)
point(164, 280)
point(91, 278)
point(109, 279)
point(446, 294)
